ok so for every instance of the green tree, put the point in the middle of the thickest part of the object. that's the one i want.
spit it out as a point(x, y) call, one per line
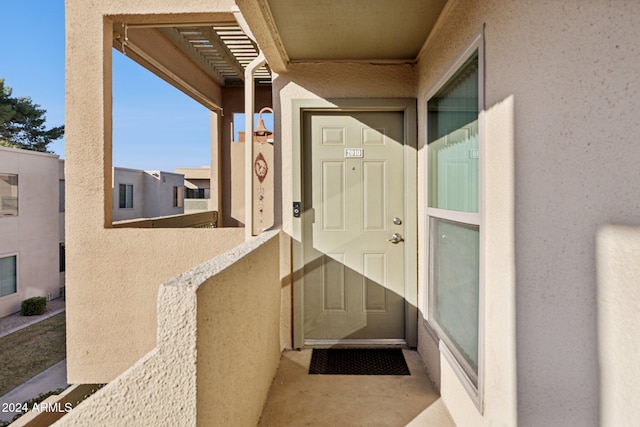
point(22, 123)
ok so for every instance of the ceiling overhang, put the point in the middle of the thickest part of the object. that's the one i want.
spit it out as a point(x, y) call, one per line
point(202, 57)
point(198, 58)
point(347, 30)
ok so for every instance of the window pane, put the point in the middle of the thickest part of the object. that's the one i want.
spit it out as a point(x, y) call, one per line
point(123, 195)
point(8, 195)
point(129, 201)
point(61, 195)
point(8, 276)
point(452, 137)
point(62, 257)
point(177, 197)
point(454, 304)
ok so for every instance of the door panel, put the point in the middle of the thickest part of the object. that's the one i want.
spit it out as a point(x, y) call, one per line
point(354, 284)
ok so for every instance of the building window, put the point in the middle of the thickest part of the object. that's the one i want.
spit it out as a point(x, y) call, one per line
point(177, 197)
point(8, 195)
point(62, 257)
point(197, 193)
point(61, 195)
point(126, 196)
point(454, 220)
point(8, 276)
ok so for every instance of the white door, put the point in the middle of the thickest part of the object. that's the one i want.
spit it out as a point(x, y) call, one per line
point(354, 274)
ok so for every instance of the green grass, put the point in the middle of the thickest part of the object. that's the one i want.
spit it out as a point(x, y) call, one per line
point(29, 351)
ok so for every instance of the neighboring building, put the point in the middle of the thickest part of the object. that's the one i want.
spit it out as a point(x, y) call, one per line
point(146, 194)
point(32, 247)
point(466, 170)
point(197, 185)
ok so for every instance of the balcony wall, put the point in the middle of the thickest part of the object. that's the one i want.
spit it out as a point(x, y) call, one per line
point(206, 219)
point(218, 347)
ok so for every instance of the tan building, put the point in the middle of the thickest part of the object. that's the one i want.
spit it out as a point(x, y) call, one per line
point(32, 244)
point(197, 188)
point(146, 194)
point(453, 176)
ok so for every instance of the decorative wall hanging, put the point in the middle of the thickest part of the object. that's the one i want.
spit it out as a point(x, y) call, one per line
point(260, 165)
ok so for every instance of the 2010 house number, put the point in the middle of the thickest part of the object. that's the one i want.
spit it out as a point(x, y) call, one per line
point(353, 153)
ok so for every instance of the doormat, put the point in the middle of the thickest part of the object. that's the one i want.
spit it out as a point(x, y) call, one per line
point(358, 361)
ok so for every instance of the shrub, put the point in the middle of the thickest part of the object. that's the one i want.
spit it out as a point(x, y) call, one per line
point(32, 306)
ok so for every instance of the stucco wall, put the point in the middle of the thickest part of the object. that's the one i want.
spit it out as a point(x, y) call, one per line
point(239, 338)
point(217, 353)
point(158, 197)
point(568, 73)
point(113, 274)
point(35, 234)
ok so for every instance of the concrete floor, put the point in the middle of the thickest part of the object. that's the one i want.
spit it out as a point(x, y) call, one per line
point(299, 399)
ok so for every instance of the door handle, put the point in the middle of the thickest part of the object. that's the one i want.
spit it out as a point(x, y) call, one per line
point(395, 238)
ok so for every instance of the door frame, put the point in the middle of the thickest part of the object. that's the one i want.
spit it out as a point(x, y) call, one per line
point(408, 107)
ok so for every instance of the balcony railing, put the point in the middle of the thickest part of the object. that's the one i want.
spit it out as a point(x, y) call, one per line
point(208, 219)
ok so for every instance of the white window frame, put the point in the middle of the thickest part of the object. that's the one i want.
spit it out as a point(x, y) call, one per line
point(470, 218)
point(125, 196)
point(15, 254)
point(17, 196)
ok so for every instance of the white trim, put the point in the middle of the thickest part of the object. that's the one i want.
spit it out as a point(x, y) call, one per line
point(7, 255)
point(476, 44)
point(125, 195)
point(461, 374)
point(249, 110)
point(471, 218)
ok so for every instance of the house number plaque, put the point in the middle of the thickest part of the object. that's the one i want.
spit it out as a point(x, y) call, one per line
point(353, 153)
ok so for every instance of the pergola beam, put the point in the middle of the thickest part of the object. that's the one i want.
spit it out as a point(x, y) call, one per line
point(181, 43)
point(223, 50)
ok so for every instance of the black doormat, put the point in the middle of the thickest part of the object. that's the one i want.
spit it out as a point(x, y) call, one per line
point(358, 361)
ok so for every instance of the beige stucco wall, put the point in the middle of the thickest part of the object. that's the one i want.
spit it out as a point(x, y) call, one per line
point(113, 275)
point(217, 353)
point(238, 339)
point(561, 88)
point(35, 234)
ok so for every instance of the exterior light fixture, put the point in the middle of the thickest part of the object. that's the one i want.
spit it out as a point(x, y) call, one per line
point(262, 133)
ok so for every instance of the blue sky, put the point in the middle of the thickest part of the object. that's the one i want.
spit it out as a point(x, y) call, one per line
point(155, 125)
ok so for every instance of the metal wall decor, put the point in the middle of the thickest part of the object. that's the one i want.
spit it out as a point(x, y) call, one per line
point(260, 164)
